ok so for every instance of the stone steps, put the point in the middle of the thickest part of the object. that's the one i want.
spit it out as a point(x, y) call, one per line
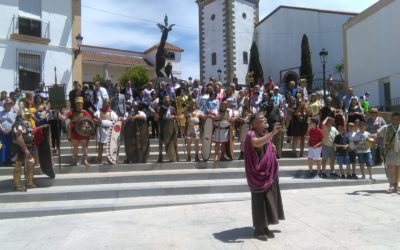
point(65, 144)
point(85, 195)
point(102, 168)
point(36, 209)
point(111, 188)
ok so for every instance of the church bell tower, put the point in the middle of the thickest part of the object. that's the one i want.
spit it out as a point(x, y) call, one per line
point(226, 29)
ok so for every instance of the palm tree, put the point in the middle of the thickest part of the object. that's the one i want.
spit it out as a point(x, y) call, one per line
point(339, 69)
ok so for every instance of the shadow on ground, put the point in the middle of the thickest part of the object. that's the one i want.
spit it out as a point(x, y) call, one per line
point(370, 192)
point(237, 235)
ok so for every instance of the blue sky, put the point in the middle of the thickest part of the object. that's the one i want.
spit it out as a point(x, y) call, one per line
point(131, 25)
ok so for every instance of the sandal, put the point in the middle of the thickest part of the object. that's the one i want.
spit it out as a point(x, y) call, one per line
point(392, 190)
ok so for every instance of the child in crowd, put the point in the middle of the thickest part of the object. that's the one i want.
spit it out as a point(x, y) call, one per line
point(315, 147)
point(352, 148)
point(342, 157)
point(328, 149)
point(363, 149)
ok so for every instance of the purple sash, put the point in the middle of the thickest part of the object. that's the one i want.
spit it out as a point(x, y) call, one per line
point(260, 174)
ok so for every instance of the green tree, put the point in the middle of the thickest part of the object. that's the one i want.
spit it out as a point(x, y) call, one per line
point(138, 75)
point(339, 68)
point(255, 65)
point(99, 78)
point(306, 64)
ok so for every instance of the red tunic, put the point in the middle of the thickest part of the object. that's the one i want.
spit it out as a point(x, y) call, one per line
point(74, 119)
point(38, 137)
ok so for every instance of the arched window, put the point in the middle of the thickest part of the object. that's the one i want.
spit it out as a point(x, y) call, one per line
point(214, 58)
point(245, 57)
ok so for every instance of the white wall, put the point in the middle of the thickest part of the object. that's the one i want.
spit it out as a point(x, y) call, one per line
point(279, 40)
point(244, 29)
point(213, 38)
point(90, 70)
point(373, 53)
point(58, 53)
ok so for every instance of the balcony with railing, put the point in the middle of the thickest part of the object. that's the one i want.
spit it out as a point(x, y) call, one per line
point(30, 30)
point(391, 105)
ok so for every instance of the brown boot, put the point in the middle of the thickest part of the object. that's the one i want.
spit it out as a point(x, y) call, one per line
point(188, 158)
point(17, 177)
point(29, 172)
point(196, 158)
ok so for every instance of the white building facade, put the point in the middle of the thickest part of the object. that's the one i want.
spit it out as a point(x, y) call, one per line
point(372, 53)
point(279, 36)
point(35, 37)
point(226, 30)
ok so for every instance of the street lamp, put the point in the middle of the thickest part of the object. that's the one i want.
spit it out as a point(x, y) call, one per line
point(323, 55)
point(79, 39)
point(219, 71)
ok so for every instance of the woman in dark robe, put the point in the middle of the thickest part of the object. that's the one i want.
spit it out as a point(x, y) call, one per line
point(261, 167)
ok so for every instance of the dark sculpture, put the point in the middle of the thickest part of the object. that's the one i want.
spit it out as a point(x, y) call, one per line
point(168, 70)
point(160, 56)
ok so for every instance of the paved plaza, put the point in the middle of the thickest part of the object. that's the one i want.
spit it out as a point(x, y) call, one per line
point(355, 217)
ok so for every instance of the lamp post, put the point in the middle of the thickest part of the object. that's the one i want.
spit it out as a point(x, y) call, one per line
point(219, 71)
point(323, 55)
point(79, 39)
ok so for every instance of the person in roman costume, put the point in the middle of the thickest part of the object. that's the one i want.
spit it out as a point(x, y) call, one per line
point(105, 118)
point(181, 106)
point(192, 130)
point(136, 135)
point(222, 125)
point(261, 167)
point(23, 137)
point(168, 137)
point(76, 139)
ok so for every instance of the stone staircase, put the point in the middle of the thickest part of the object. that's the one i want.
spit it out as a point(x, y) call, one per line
point(97, 188)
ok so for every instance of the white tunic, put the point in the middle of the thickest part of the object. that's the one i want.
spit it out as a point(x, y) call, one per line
point(103, 128)
point(221, 133)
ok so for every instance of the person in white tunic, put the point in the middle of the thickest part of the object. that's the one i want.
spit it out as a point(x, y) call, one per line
point(391, 135)
point(105, 118)
point(192, 133)
point(222, 124)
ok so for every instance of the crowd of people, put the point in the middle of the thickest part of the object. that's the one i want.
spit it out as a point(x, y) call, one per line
point(341, 131)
